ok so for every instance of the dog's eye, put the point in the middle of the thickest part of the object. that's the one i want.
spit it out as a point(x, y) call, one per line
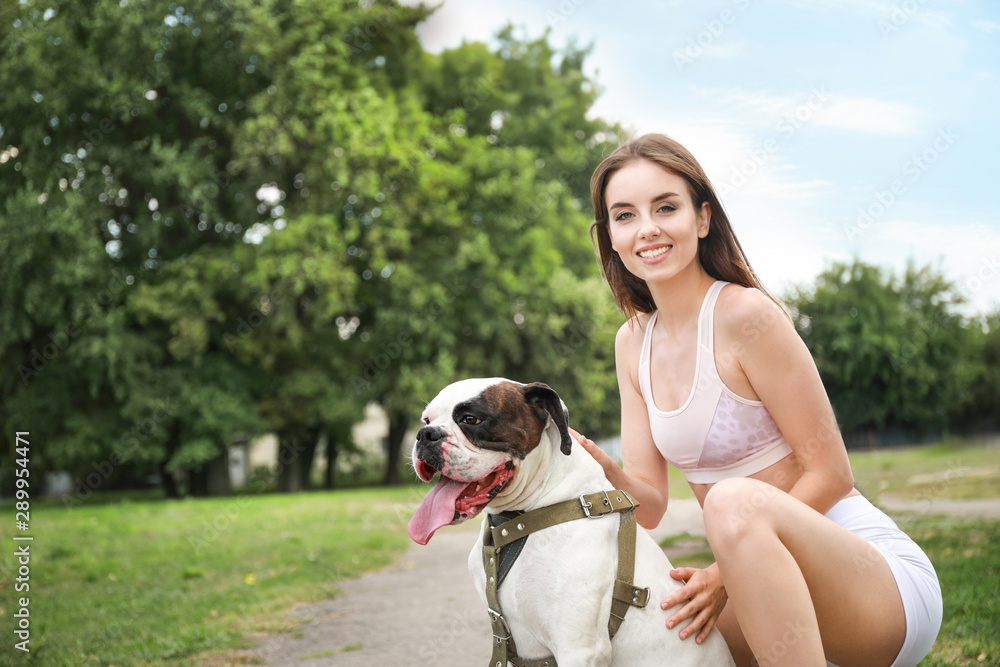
point(426, 420)
point(471, 420)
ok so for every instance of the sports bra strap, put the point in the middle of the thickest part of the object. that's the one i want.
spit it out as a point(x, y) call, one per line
point(706, 335)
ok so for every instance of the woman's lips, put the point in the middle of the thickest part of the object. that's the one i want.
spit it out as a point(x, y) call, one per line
point(654, 254)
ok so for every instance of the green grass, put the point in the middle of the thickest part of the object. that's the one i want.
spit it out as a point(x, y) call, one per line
point(966, 555)
point(132, 579)
point(959, 469)
point(955, 469)
point(151, 582)
point(677, 485)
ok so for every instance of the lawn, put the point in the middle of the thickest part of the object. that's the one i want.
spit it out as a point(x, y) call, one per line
point(140, 581)
point(149, 582)
point(955, 469)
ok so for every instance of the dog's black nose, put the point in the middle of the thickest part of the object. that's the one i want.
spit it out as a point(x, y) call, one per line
point(431, 434)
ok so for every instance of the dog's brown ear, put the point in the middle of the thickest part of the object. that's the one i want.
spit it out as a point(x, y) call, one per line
point(543, 397)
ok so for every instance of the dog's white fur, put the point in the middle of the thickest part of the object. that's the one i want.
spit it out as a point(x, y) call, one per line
point(557, 597)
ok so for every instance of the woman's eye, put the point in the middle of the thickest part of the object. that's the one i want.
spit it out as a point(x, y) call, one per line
point(666, 208)
point(470, 420)
point(624, 215)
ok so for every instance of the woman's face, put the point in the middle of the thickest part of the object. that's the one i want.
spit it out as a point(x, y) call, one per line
point(653, 224)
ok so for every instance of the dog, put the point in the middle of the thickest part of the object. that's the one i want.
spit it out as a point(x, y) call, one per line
point(500, 445)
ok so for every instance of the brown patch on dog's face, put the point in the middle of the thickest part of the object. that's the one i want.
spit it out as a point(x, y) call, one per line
point(510, 418)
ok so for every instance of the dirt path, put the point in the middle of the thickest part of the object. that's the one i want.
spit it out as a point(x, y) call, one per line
point(985, 508)
point(423, 610)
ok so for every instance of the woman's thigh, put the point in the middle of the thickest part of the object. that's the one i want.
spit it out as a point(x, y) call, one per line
point(857, 604)
point(730, 629)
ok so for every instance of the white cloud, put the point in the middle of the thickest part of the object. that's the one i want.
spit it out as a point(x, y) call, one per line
point(782, 238)
point(869, 115)
point(827, 5)
point(968, 254)
point(722, 50)
point(897, 13)
point(475, 21)
point(756, 101)
point(987, 26)
point(809, 190)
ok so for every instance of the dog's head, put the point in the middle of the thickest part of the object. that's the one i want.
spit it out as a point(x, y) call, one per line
point(476, 433)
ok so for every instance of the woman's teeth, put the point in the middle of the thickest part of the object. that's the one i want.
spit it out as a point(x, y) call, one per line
point(655, 252)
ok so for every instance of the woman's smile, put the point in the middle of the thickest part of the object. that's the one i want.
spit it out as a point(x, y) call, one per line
point(655, 253)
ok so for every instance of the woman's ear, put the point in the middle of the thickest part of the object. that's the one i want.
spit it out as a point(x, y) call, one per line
point(704, 220)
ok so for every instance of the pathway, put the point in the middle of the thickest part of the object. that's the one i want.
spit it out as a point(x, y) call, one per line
point(423, 610)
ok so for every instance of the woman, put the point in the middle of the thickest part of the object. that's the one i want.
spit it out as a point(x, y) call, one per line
point(715, 380)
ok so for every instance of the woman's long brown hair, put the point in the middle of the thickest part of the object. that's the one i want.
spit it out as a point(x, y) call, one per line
point(720, 252)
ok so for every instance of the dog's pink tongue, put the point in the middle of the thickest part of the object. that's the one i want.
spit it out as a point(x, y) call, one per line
point(436, 510)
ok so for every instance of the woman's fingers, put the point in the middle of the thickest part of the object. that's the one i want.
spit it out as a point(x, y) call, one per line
point(699, 607)
point(588, 445)
point(685, 612)
point(682, 594)
point(682, 573)
point(707, 629)
point(584, 441)
point(700, 622)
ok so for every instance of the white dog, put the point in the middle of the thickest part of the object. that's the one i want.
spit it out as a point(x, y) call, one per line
point(502, 445)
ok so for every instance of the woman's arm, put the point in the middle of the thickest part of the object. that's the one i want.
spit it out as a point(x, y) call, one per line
point(644, 472)
point(782, 372)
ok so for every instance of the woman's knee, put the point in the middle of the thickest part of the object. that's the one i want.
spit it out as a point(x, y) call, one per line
point(734, 506)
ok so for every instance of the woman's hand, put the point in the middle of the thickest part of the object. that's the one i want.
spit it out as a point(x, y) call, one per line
point(609, 464)
point(705, 596)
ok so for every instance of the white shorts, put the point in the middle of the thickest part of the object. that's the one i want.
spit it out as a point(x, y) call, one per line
point(915, 577)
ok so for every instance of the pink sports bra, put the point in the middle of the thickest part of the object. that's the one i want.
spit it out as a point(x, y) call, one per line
point(715, 434)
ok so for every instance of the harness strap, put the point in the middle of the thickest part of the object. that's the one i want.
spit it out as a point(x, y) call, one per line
point(514, 530)
point(503, 641)
point(589, 506)
point(625, 594)
point(509, 553)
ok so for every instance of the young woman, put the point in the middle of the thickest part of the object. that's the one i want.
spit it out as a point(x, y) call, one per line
point(715, 380)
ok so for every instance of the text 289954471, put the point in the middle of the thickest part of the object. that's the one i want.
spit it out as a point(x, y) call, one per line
point(22, 552)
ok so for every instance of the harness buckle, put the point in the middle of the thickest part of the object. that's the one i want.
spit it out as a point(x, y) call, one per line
point(598, 512)
point(497, 616)
point(629, 499)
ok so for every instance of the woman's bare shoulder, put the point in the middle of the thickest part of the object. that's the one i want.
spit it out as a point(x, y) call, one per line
point(630, 335)
point(744, 310)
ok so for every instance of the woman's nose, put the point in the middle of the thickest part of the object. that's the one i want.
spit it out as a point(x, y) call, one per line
point(647, 228)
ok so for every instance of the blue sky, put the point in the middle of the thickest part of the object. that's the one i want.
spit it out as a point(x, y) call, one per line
point(831, 128)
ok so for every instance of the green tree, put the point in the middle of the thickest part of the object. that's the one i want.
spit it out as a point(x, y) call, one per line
point(981, 406)
point(459, 242)
point(114, 120)
point(235, 217)
point(122, 122)
point(886, 347)
point(526, 93)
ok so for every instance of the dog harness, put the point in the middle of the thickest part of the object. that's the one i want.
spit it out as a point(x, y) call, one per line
point(511, 533)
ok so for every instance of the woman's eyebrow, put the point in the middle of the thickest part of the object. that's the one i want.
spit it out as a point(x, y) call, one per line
point(665, 195)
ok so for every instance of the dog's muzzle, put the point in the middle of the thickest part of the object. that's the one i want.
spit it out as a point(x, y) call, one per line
point(429, 447)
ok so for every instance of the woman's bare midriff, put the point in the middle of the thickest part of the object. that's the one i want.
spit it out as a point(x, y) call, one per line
point(783, 474)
